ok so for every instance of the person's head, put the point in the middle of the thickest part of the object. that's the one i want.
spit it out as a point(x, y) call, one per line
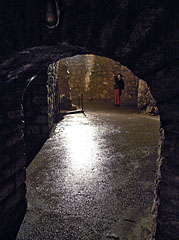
point(119, 76)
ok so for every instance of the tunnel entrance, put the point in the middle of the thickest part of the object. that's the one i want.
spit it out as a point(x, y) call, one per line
point(92, 76)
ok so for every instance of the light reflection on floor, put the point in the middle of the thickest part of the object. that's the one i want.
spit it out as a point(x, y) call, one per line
point(81, 146)
point(83, 155)
point(89, 175)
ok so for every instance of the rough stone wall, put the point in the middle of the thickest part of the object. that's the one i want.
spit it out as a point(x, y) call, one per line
point(63, 79)
point(16, 75)
point(40, 104)
point(92, 76)
point(12, 162)
point(167, 181)
point(12, 172)
point(27, 114)
point(52, 94)
point(145, 102)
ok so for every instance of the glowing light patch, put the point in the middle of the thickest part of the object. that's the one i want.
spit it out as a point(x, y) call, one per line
point(81, 146)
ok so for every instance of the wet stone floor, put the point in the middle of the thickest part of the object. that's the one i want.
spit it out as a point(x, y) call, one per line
point(94, 178)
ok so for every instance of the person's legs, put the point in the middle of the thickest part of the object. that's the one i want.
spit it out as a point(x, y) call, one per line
point(117, 97)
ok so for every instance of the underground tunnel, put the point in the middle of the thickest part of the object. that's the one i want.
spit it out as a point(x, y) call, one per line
point(142, 35)
point(87, 151)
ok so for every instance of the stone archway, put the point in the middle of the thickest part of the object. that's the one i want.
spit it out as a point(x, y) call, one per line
point(143, 35)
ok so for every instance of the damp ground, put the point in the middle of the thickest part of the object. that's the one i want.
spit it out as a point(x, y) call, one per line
point(94, 177)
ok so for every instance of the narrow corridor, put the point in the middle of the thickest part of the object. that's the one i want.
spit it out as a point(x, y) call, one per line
point(94, 177)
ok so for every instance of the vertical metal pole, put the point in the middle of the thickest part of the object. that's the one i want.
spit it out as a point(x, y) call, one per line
point(81, 102)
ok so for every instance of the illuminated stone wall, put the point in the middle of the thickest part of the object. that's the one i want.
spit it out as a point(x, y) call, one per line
point(146, 103)
point(93, 76)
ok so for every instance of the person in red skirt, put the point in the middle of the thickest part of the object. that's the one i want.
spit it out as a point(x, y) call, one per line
point(118, 87)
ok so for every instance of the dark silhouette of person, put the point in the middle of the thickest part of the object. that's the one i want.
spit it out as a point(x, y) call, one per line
point(118, 87)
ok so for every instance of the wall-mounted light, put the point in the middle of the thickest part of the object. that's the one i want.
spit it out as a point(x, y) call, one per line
point(52, 14)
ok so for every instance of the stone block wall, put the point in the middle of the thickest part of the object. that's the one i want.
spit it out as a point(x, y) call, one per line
point(93, 76)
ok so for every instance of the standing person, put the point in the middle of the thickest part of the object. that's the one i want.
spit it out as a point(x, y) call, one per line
point(118, 87)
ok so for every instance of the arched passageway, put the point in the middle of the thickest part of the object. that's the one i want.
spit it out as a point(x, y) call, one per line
point(98, 167)
point(92, 76)
point(143, 35)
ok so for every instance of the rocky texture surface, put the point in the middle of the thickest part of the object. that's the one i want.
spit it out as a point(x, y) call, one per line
point(65, 102)
point(145, 101)
point(40, 104)
point(92, 76)
point(27, 116)
point(142, 35)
